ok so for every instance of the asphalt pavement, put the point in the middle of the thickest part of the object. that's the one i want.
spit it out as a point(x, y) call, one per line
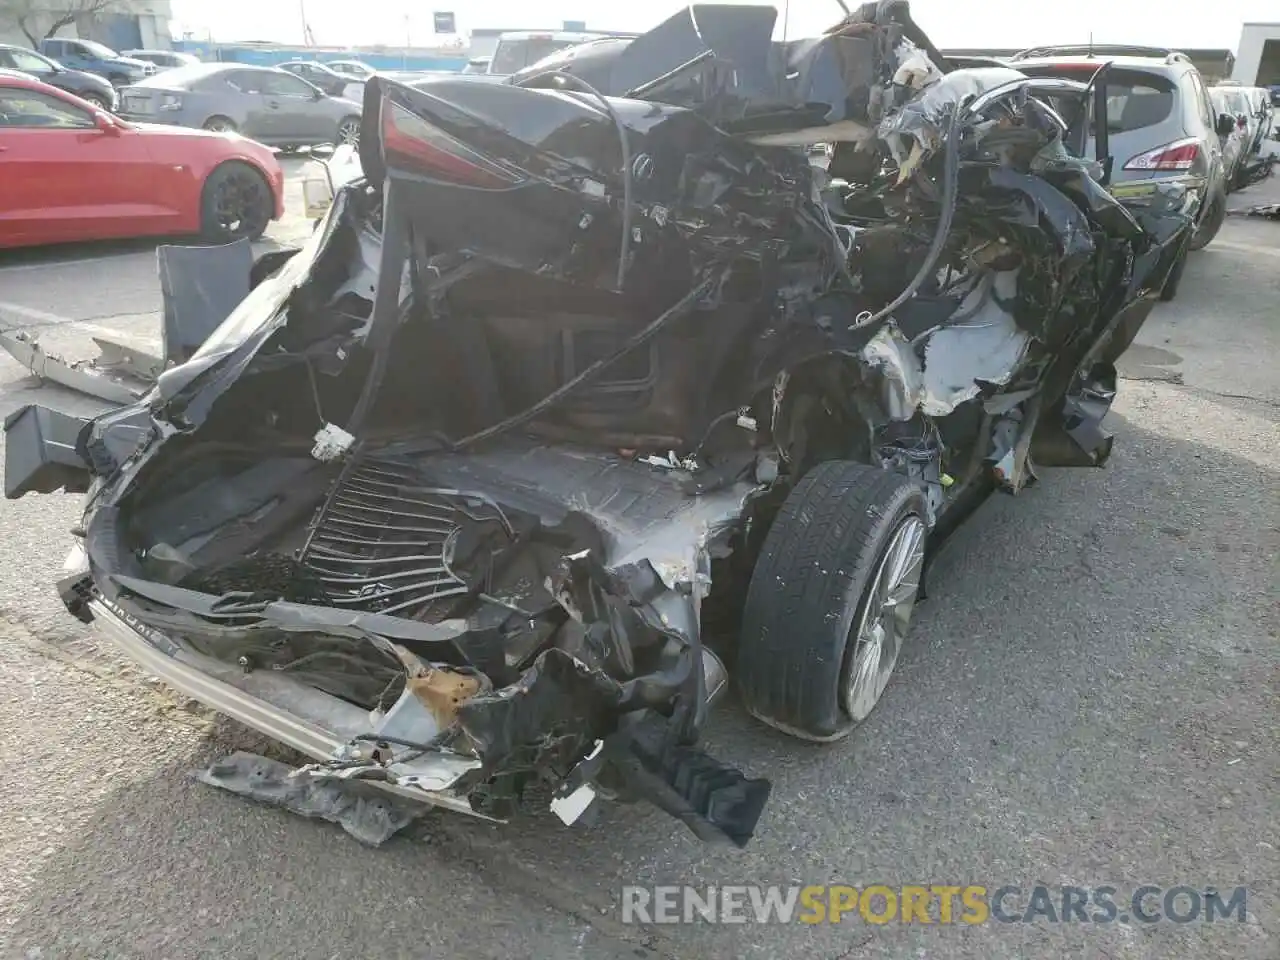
point(1091, 697)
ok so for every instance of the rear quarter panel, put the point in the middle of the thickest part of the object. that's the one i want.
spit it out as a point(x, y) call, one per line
point(187, 161)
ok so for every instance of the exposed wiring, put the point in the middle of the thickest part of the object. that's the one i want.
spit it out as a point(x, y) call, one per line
point(315, 388)
point(555, 396)
point(950, 193)
point(734, 414)
point(984, 289)
point(624, 248)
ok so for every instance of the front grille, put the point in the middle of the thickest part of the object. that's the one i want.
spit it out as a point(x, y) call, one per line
point(385, 543)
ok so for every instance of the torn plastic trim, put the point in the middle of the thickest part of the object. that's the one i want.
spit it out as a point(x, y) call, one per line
point(28, 352)
point(236, 341)
point(41, 452)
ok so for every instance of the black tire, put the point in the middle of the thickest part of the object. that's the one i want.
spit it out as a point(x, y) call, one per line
point(1170, 288)
point(810, 589)
point(221, 124)
point(236, 203)
point(1212, 220)
point(97, 100)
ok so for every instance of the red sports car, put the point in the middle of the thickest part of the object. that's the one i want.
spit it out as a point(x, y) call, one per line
point(70, 172)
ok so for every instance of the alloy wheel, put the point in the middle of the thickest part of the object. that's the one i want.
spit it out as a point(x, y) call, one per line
point(238, 201)
point(881, 629)
point(349, 133)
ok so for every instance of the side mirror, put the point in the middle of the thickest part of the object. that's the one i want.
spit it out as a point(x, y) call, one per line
point(1226, 124)
point(106, 124)
point(318, 95)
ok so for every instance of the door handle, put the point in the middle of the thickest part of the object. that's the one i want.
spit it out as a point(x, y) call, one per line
point(273, 104)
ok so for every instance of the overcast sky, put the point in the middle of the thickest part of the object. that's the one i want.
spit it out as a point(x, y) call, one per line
point(978, 23)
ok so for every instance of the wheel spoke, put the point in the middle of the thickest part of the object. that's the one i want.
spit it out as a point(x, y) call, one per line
point(885, 617)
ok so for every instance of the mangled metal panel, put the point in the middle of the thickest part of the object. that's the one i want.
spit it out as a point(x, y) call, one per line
point(567, 350)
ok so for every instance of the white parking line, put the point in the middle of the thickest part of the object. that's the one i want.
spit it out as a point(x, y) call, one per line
point(44, 317)
point(31, 313)
point(72, 262)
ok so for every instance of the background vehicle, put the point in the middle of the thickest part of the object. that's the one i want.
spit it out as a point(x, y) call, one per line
point(317, 74)
point(86, 86)
point(354, 69)
point(269, 105)
point(69, 172)
point(1261, 116)
point(964, 62)
point(163, 59)
point(93, 57)
point(515, 51)
point(1231, 102)
point(1160, 123)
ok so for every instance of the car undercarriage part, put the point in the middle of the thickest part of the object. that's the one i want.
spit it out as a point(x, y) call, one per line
point(371, 819)
point(577, 397)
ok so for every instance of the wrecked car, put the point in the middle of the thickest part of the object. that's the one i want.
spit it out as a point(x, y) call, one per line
point(593, 390)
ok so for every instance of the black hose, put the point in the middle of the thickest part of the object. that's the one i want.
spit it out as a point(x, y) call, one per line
point(555, 396)
point(950, 194)
point(624, 248)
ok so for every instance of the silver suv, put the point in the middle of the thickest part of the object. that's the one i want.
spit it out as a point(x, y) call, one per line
point(1160, 122)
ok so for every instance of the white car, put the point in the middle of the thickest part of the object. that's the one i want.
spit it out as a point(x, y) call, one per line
point(355, 69)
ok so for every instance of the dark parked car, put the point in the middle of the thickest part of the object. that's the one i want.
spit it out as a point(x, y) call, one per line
point(87, 86)
point(93, 57)
point(269, 105)
point(568, 404)
point(330, 81)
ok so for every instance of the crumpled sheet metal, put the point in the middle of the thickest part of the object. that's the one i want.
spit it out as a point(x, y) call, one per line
point(890, 355)
point(370, 819)
point(926, 116)
point(982, 349)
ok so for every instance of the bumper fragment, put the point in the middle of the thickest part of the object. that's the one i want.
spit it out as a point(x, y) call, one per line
point(40, 452)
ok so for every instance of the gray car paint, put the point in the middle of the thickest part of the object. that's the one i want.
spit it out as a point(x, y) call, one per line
point(258, 100)
point(1190, 116)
